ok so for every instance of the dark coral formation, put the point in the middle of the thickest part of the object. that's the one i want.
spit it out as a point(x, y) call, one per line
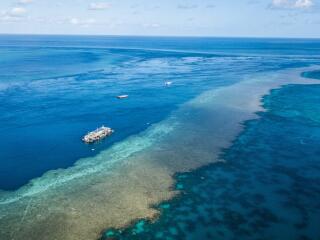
point(269, 187)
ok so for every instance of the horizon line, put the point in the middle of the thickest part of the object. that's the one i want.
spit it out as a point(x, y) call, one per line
point(159, 36)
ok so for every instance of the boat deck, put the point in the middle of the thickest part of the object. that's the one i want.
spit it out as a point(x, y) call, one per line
point(97, 134)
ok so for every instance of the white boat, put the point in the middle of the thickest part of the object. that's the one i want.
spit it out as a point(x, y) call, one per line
point(168, 83)
point(97, 134)
point(122, 96)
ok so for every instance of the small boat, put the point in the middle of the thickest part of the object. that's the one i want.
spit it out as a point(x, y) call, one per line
point(168, 83)
point(122, 96)
point(97, 134)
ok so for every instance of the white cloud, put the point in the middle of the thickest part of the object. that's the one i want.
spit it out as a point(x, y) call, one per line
point(25, 1)
point(292, 4)
point(187, 6)
point(99, 6)
point(17, 11)
point(81, 22)
point(280, 3)
point(303, 4)
point(152, 25)
point(13, 15)
point(74, 21)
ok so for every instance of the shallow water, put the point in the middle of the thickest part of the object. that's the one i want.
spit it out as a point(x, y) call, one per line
point(54, 89)
point(122, 183)
point(159, 131)
point(268, 188)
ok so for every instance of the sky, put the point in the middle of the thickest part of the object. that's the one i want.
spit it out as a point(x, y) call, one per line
point(229, 18)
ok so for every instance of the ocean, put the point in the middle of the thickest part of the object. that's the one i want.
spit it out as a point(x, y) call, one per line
point(54, 89)
point(267, 189)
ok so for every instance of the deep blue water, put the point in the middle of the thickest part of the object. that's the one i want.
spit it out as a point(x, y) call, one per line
point(268, 188)
point(312, 74)
point(53, 89)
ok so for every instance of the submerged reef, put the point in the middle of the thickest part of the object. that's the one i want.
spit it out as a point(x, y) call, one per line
point(267, 188)
point(126, 181)
point(311, 74)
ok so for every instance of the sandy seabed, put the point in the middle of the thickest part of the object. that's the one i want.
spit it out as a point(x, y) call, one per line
point(122, 183)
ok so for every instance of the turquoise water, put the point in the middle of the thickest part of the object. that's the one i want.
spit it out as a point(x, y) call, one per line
point(54, 89)
point(268, 188)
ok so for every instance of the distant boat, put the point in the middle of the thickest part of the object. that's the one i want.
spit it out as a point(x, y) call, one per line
point(168, 83)
point(122, 96)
